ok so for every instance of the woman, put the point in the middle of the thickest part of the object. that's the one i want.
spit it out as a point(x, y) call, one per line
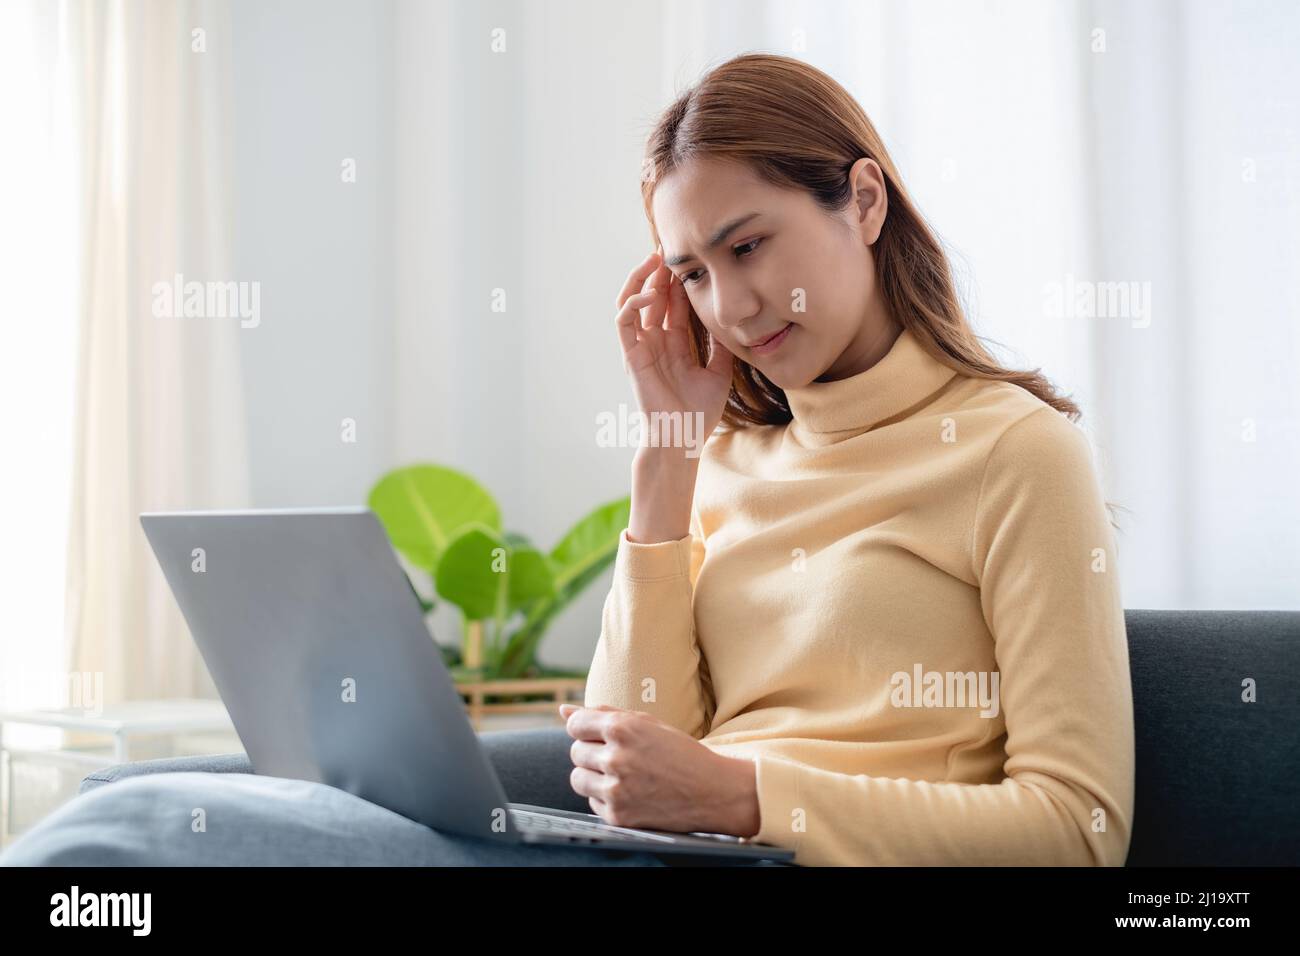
point(878, 619)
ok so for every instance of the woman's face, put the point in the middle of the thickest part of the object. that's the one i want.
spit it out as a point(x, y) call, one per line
point(756, 259)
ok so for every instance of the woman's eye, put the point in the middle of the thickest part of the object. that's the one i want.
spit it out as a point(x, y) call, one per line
point(748, 250)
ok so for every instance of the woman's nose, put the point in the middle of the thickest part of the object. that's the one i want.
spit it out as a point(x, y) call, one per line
point(733, 305)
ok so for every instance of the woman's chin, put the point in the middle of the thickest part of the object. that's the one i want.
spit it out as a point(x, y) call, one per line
point(784, 374)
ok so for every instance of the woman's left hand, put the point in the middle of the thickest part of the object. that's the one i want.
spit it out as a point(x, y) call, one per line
point(637, 771)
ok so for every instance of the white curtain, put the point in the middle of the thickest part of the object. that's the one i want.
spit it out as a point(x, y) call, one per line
point(159, 410)
point(38, 239)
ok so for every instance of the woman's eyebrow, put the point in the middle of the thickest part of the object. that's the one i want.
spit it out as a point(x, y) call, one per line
point(718, 238)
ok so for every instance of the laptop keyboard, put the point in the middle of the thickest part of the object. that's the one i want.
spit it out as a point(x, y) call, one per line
point(529, 820)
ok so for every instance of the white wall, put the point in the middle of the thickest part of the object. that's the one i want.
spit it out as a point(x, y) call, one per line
point(519, 170)
point(313, 86)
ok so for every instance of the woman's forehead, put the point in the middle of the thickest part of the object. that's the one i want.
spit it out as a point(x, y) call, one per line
point(711, 180)
point(693, 209)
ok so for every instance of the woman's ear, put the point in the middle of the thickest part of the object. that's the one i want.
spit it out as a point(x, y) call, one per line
point(870, 198)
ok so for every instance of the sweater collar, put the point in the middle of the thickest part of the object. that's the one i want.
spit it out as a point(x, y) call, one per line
point(902, 379)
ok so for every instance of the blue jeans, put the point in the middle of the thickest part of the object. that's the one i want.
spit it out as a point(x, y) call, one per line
point(142, 814)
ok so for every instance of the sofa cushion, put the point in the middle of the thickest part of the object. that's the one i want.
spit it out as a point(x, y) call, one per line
point(1218, 779)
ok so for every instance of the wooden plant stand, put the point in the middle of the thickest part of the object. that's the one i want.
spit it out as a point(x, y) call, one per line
point(490, 697)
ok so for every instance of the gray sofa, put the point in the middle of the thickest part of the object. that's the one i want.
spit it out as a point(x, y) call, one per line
point(1218, 779)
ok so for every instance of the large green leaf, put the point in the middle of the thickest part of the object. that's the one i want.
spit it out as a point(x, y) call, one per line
point(530, 578)
point(486, 578)
point(592, 542)
point(423, 507)
point(586, 550)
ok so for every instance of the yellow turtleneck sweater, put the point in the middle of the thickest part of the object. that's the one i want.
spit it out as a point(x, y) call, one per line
point(904, 607)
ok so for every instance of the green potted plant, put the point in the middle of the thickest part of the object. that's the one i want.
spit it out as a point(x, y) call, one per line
point(507, 591)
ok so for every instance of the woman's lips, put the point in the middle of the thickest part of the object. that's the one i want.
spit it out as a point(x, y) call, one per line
point(774, 343)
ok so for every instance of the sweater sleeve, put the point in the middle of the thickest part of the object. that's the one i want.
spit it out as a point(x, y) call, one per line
point(1044, 557)
point(647, 657)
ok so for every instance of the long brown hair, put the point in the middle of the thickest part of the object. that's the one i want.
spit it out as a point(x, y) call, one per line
point(796, 127)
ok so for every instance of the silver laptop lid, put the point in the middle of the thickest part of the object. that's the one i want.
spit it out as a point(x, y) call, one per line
point(318, 647)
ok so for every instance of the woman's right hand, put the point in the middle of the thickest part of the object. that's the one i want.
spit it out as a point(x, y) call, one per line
point(657, 353)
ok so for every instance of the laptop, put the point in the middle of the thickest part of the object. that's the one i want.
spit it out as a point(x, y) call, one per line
point(317, 643)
